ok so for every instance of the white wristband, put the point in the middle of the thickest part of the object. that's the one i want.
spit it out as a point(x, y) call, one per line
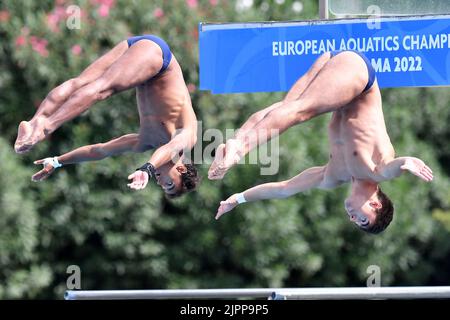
point(240, 198)
point(53, 162)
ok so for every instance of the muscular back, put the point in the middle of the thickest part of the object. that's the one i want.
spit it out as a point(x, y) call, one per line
point(164, 106)
point(358, 140)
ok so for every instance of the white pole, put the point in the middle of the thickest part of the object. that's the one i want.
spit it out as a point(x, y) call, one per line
point(363, 293)
point(323, 9)
point(273, 293)
point(168, 294)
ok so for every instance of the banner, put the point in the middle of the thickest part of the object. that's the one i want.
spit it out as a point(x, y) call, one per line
point(271, 56)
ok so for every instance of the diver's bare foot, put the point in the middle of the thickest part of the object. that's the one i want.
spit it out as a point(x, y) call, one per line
point(29, 133)
point(23, 134)
point(226, 157)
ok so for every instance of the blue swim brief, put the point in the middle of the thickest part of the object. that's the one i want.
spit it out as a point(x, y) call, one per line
point(370, 69)
point(167, 55)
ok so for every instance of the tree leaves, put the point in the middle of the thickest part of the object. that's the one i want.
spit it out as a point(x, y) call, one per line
point(85, 215)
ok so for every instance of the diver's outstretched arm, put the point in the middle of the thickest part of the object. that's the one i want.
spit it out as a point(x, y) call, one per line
point(308, 179)
point(93, 152)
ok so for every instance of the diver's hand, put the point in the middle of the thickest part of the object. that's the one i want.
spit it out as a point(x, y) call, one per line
point(226, 206)
point(140, 180)
point(418, 168)
point(45, 172)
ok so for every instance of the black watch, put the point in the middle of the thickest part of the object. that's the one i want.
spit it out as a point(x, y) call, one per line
point(149, 168)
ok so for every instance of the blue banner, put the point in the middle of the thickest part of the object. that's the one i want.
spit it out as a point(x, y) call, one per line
point(267, 57)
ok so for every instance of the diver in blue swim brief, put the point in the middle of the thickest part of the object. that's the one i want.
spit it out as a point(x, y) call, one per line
point(370, 69)
point(338, 81)
point(360, 151)
point(167, 54)
point(168, 124)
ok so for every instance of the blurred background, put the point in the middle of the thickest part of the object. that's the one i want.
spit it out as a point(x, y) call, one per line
point(121, 239)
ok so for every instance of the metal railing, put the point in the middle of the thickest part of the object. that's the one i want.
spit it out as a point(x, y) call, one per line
point(268, 293)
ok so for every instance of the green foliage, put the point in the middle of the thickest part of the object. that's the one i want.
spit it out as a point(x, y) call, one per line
point(85, 215)
point(22, 273)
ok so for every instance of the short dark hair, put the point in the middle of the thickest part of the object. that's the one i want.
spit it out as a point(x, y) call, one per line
point(384, 214)
point(189, 181)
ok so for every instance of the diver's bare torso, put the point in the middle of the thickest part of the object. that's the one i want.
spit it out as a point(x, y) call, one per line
point(358, 140)
point(164, 105)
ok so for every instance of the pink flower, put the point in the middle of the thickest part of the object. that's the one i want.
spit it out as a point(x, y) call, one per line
point(39, 45)
point(54, 17)
point(108, 3)
point(192, 3)
point(105, 6)
point(52, 22)
point(213, 2)
point(60, 12)
point(4, 15)
point(76, 50)
point(21, 41)
point(191, 87)
point(158, 13)
point(103, 10)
